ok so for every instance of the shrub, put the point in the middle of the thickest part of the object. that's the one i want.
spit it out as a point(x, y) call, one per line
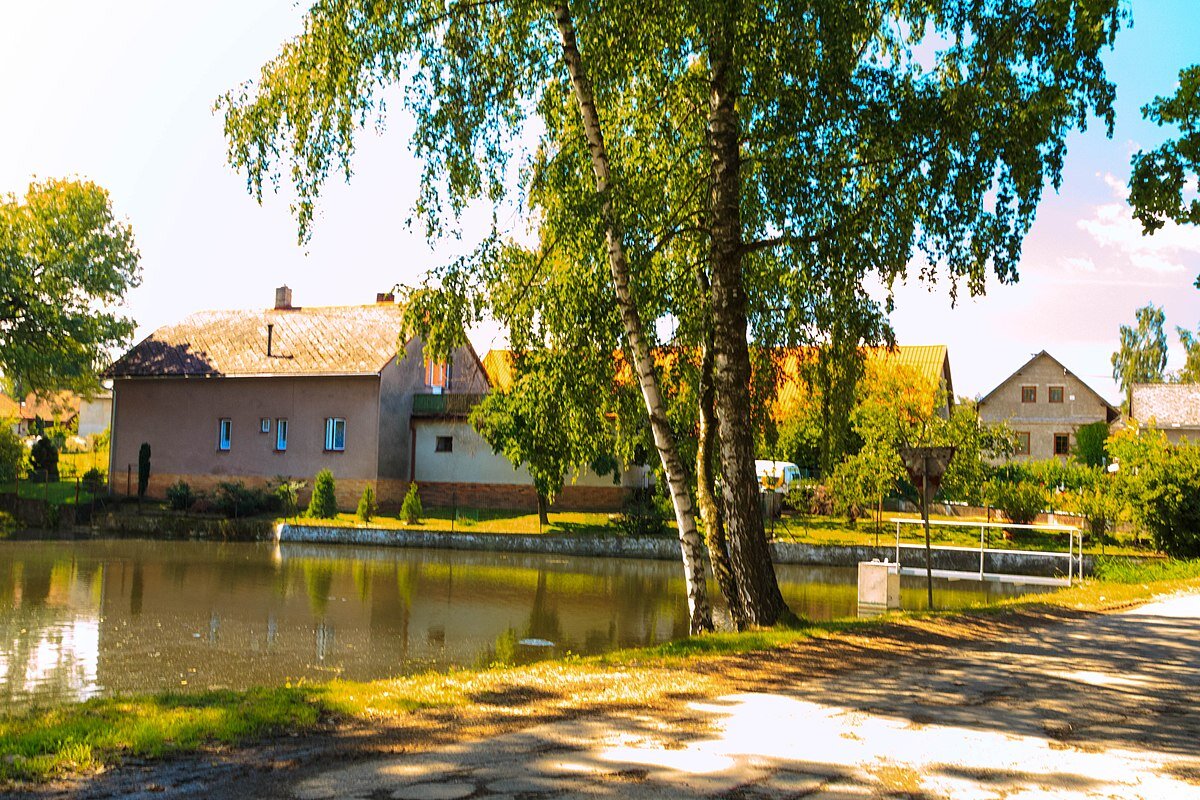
point(366, 504)
point(1021, 501)
point(12, 453)
point(323, 504)
point(287, 492)
point(143, 468)
point(1169, 504)
point(411, 509)
point(799, 497)
point(642, 515)
point(93, 480)
point(180, 496)
point(235, 499)
point(43, 460)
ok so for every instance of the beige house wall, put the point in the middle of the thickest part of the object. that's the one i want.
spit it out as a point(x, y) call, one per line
point(179, 418)
point(1042, 419)
point(95, 415)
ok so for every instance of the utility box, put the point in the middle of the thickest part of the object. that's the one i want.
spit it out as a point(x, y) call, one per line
point(878, 587)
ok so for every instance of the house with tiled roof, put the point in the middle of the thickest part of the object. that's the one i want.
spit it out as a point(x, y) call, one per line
point(929, 363)
point(1044, 403)
point(32, 414)
point(1173, 408)
point(286, 391)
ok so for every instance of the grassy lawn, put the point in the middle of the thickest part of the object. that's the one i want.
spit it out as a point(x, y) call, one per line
point(72, 465)
point(58, 493)
point(38, 745)
point(482, 520)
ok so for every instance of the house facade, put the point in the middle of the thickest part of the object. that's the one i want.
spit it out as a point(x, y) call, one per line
point(1044, 403)
point(253, 396)
point(1173, 408)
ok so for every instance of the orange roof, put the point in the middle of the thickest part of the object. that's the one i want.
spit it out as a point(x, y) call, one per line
point(346, 340)
point(59, 406)
point(930, 361)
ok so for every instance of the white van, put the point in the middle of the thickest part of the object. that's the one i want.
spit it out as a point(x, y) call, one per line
point(777, 476)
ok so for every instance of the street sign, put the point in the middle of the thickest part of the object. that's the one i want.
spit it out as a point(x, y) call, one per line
point(926, 462)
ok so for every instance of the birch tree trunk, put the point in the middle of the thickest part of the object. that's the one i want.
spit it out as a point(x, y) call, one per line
point(699, 609)
point(749, 553)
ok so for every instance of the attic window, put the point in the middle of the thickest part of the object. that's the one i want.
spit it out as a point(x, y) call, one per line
point(1054, 394)
point(1028, 394)
point(436, 374)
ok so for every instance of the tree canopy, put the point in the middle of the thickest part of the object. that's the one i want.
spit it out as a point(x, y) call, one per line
point(66, 263)
point(1142, 355)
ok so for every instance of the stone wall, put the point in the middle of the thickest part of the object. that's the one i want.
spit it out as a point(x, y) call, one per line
point(507, 496)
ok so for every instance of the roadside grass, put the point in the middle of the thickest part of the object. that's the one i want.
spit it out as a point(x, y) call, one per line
point(39, 745)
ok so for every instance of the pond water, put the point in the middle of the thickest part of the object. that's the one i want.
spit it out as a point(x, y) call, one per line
point(117, 616)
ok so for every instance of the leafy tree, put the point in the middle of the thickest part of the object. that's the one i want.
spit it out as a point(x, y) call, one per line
point(287, 492)
point(66, 263)
point(1190, 371)
point(862, 480)
point(690, 143)
point(1163, 481)
point(1090, 447)
point(12, 453)
point(43, 460)
point(323, 503)
point(1099, 503)
point(1142, 357)
point(1021, 501)
point(411, 509)
point(1163, 182)
point(143, 469)
point(366, 504)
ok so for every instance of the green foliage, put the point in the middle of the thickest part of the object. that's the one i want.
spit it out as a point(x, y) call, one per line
point(323, 503)
point(180, 496)
point(411, 509)
point(977, 444)
point(865, 478)
point(1163, 182)
point(643, 514)
point(235, 499)
point(143, 468)
point(1163, 485)
point(43, 461)
point(58, 434)
point(287, 492)
point(66, 263)
point(1190, 371)
point(1099, 503)
point(12, 454)
point(1128, 570)
point(1021, 501)
point(366, 504)
point(1142, 356)
point(1090, 444)
point(93, 480)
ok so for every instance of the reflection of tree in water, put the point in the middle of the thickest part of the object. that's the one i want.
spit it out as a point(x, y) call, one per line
point(390, 587)
point(35, 582)
point(318, 579)
point(136, 589)
point(639, 602)
point(544, 623)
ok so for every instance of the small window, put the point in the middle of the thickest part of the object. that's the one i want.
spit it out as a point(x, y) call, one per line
point(264, 425)
point(281, 432)
point(1028, 394)
point(1062, 444)
point(224, 434)
point(1054, 394)
point(444, 444)
point(335, 433)
point(436, 374)
point(1022, 443)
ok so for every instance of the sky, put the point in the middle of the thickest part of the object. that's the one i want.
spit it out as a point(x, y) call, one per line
point(121, 92)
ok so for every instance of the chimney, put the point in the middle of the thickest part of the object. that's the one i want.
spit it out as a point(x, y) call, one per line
point(270, 336)
point(385, 297)
point(283, 297)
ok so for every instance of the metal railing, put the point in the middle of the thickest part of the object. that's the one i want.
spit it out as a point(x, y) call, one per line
point(444, 405)
point(1074, 558)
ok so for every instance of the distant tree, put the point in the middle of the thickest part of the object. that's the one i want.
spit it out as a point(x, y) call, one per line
point(12, 453)
point(366, 504)
point(143, 469)
point(65, 263)
point(43, 460)
point(1090, 447)
point(1190, 371)
point(1142, 356)
point(411, 509)
point(1164, 181)
point(287, 491)
point(323, 503)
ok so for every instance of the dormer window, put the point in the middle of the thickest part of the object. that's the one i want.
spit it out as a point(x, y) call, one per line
point(437, 375)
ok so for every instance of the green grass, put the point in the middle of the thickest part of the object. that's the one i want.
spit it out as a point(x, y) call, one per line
point(57, 492)
point(72, 465)
point(480, 520)
point(38, 745)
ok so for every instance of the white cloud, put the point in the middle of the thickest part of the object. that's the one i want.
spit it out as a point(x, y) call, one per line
point(1083, 264)
point(1174, 248)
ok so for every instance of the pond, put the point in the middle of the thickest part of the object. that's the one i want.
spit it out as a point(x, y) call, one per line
point(119, 616)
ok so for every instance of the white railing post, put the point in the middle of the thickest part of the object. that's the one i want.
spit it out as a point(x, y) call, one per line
point(897, 541)
point(981, 535)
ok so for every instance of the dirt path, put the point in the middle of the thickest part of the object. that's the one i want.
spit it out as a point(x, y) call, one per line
point(1095, 706)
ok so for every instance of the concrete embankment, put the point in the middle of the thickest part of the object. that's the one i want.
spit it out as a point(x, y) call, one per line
point(966, 560)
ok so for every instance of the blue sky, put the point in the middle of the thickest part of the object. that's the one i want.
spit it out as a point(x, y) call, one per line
point(120, 91)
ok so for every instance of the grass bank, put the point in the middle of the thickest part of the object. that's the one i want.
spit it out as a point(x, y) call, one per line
point(40, 745)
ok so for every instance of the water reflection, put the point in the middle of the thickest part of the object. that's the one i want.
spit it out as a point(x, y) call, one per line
point(79, 619)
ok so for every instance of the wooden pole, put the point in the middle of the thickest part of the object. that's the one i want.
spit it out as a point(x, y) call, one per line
point(928, 548)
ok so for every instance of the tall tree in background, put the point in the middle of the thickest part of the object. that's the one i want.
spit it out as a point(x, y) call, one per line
point(1190, 371)
point(776, 147)
point(1142, 356)
point(65, 263)
point(1164, 183)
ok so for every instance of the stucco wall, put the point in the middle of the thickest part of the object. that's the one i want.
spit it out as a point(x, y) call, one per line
point(1042, 419)
point(179, 418)
point(94, 415)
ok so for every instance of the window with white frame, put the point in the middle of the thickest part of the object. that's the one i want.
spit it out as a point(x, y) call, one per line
point(335, 433)
point(224, 433)
point(281, 434)
point(264, 425)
